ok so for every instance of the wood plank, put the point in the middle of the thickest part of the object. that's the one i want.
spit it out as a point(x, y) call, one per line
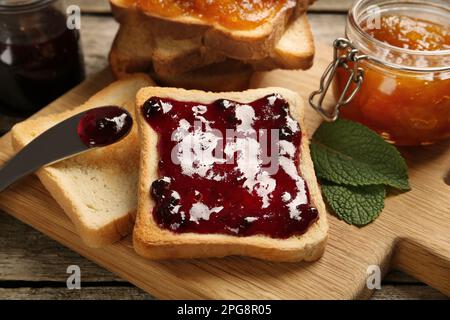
point(97, 35)
point(396, 277)
point(408, 292)
point(331, 6)
point(327, 27)
point(89, 6)
point(28, 255)
point(388, 292)
point(85, 293)
point(34, 257)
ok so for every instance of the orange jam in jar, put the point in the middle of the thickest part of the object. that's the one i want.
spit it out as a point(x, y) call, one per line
point(410, 33)
point(233, 14)
point(405, 93)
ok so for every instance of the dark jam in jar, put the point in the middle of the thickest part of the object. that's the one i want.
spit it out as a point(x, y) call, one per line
point(40, 59)
point(104, 125)
point(229, 168)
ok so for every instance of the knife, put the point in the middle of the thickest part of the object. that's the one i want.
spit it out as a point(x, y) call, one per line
point(83, 132)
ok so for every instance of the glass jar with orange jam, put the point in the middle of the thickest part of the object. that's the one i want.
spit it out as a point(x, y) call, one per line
point(392, 71)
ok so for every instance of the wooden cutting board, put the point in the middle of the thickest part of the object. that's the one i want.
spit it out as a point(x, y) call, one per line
point(412, 234)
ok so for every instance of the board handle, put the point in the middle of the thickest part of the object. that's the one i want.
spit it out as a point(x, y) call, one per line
point(427, 261)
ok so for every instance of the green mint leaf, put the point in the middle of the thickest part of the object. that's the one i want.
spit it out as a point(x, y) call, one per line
point(347, 152)
point(355, 205)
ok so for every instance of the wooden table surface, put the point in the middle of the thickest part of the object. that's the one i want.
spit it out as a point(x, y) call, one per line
point(32, 266)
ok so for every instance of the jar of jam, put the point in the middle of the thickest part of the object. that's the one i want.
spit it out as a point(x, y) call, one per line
point(392, 71)
point(40, 56)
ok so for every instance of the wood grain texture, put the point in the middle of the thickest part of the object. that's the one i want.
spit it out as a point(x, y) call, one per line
point(32, 266)
point(341, 273)
point(29, 256)
point(92, 6)
point(341, 6)
point(85, 293)
point(97, 35)
point(407, 292)
point(123, 292)
point(327, 27)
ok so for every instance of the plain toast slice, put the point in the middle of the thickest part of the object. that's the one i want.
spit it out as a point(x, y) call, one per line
point(295, 50)
point(172, 56)
point(133, 46)
point(97, 189)
point(153, 242)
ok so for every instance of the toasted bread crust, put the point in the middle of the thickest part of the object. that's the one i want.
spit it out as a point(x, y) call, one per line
point(252, 44)
point(239, 45)
point(136, 49)
point(160, 27)
point(104, 225)
point(152, 242)
point(288, 53)
point(132, 51)
point(229, 75)
point(178, 56)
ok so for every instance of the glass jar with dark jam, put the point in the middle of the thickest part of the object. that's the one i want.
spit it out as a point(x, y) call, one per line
point(40, 56)
point(394, 72)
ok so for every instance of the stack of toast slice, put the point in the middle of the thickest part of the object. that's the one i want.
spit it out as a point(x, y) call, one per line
point(185, 51)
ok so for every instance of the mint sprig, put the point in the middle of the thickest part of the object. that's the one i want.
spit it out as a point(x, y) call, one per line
point(355, 165)
point(355, 205)
point(349, 153)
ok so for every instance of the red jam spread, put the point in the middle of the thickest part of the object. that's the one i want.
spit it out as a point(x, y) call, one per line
point(104, 125)
point(233, 14)
point(406, 108)
point(229, 168)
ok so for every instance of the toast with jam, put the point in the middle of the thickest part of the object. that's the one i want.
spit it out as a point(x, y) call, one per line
point(226, 174)
point(243, 30)
point(97, 189)
point(140, 47)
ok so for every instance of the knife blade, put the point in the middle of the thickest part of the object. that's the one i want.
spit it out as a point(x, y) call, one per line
point(83, 132)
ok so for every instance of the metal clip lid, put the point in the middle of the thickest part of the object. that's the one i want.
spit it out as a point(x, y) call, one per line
point(339, 61)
